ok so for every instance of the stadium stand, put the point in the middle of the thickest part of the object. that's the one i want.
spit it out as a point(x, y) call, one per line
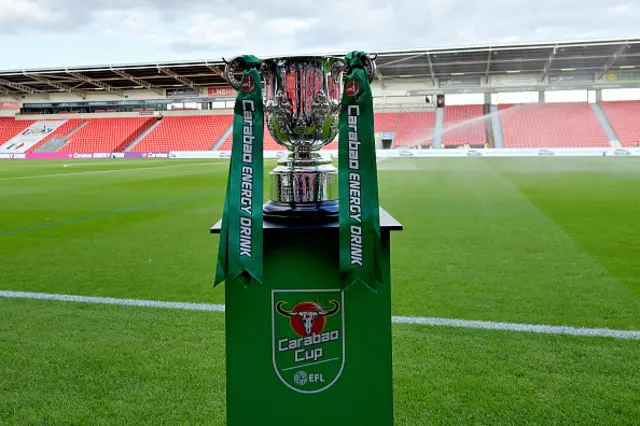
point(462, 125)
point(624, 117)
point(60, 132)
point(10, 127)
point(107, 134)
point(539, 125)
point(185, 133)
point(409, 80)
point(551, 125)
point(415, 128)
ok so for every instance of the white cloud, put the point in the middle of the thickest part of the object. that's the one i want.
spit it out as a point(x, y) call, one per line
point(211, 32)
point(14, 12)
point(131, 23)
point(509, 39)
point(624, 9)
point(205, 28)
point(289, 27)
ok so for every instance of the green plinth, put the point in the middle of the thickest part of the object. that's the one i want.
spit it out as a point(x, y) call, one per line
point(301, 351)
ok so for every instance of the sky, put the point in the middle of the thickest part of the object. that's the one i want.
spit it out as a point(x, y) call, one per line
point(58, 33)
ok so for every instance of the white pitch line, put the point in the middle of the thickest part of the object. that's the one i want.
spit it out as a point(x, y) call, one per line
point(133, 169)
point(525, 328)
point(429, 321)
point(187, 306)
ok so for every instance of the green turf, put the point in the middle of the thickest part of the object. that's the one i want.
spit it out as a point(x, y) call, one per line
point(530, 240)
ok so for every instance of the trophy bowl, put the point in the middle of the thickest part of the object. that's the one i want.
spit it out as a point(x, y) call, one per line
point(302, 97)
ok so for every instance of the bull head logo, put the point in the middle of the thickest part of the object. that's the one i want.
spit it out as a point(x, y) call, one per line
point(310, 314)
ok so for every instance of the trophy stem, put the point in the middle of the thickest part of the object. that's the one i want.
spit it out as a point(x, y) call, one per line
point(303, 190)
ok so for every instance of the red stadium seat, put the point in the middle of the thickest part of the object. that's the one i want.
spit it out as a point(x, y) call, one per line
point(624, 117)
point(10, 127)
point(386, 121)
point(463, 125)
point(107, 134)
point(551, 125)
point(415, 128)
point(185, 133)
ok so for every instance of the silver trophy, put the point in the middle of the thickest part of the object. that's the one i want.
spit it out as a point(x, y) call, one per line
point(302, 104)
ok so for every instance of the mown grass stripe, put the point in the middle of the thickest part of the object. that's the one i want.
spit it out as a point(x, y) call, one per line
point(108, 213)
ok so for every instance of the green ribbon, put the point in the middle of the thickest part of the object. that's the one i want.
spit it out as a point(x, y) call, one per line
point(240, 249)
point(359, 214)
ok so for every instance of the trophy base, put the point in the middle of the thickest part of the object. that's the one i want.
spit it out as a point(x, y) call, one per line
point(303, 190)
point(302, 213)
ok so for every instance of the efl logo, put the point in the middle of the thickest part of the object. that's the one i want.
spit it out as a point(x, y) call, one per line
point(247, 84)
point(352, 88)
point(308, 338)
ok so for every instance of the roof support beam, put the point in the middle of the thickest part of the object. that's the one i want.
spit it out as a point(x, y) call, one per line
point(433, 75)
point(612, 60)
point(216, 70)
point(179, 78)
point(545, 70)
point(139, 82)
point(9, 93)
point(486, 73)
point(57, 85)
point(23, 88)
point(96, 83)
point(397, 61)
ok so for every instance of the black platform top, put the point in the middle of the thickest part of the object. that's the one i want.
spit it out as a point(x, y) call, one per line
point(386, 222)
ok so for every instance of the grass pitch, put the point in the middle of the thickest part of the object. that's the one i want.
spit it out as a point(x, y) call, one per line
point(528, 240)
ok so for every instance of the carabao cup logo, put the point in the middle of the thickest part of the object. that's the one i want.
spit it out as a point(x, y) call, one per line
point(352, 88)
point(308, 338)
point(246, 84)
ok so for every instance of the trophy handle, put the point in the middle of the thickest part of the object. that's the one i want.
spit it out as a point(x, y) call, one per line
point(369, 66)
point(336, 68)
point(235, 63)
point(230, 70)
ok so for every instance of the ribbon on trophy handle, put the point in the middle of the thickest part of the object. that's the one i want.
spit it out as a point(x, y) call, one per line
point(359, 214)
point(240, 250)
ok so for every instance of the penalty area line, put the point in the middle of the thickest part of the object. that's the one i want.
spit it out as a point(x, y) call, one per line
point(426, 321)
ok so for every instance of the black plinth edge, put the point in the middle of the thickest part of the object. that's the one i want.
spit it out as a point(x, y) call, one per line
point(301, 214)
point(386, 222)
